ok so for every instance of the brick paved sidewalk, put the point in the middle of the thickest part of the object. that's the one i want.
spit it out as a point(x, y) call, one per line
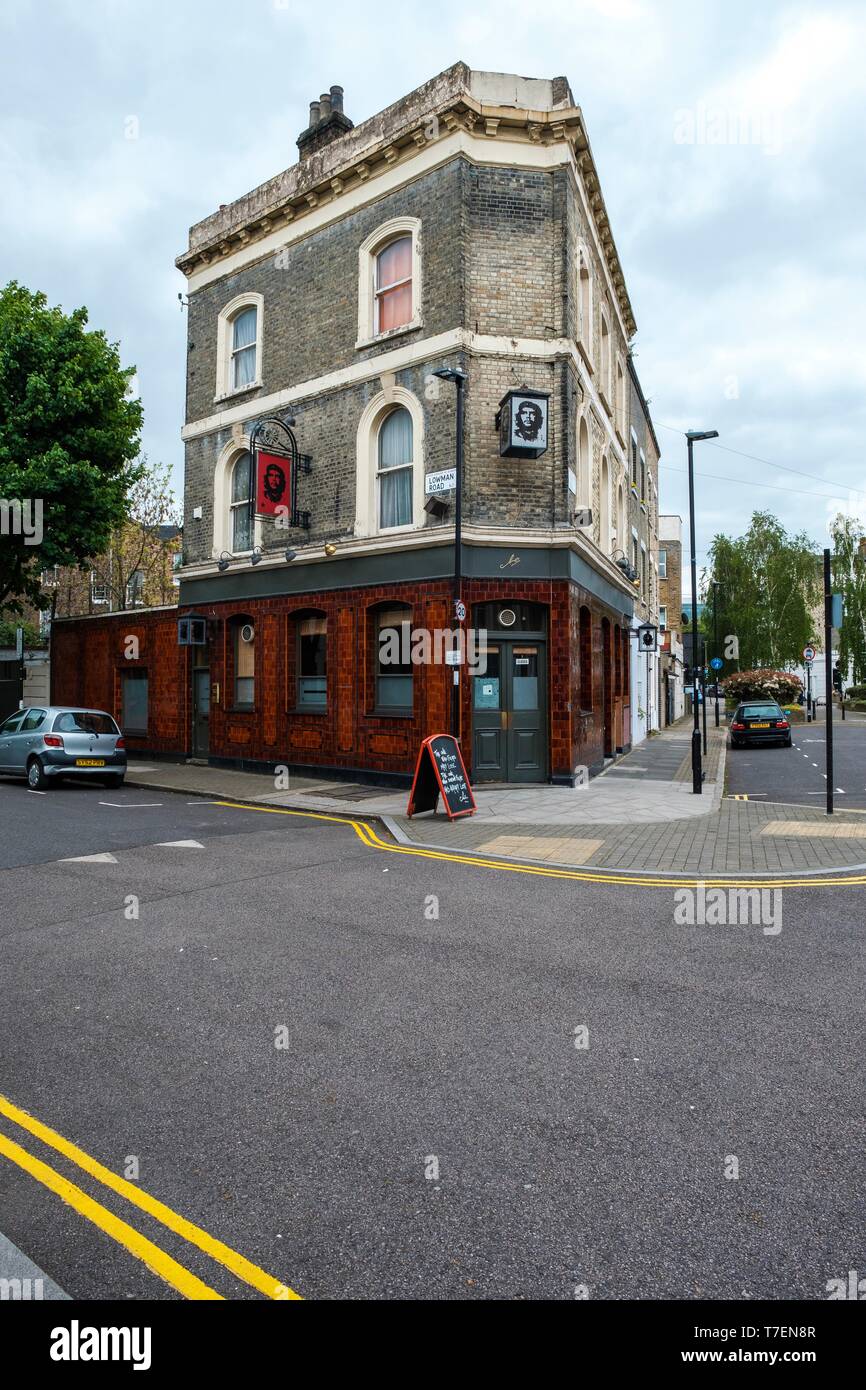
point(624, 820)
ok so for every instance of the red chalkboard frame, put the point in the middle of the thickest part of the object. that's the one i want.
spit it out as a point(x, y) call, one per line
point(426, 759)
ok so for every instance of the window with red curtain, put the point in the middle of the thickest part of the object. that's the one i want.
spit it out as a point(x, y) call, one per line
point(394, 285)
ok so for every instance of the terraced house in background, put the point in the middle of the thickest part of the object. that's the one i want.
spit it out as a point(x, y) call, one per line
point(463, 227)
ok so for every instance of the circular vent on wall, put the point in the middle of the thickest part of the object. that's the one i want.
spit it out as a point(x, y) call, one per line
point(507, 617)
point(247, 632)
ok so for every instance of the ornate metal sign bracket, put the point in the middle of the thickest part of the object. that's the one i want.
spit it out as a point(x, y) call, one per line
point(276, 436)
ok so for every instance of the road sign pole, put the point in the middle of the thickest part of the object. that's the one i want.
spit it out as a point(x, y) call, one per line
point(828, 669)
point(704, 693)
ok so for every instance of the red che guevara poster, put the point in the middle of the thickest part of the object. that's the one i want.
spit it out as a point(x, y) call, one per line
point(273, 484)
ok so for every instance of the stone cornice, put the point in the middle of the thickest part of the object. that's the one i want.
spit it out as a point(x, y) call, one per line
point(394, 137)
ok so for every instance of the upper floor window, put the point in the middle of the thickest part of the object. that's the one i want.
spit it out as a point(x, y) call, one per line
point(620, 400)
point(634, 460)
point(394, 285)
point(239, 345)
point(663, 618)
point(605, 360)
point(389, 297)
point(98, 590)
point(135, 589)
point(395, 468)
point(663, 564)
point(240, 504)
point(643, 496)
point(584, 301)
point(244, 348)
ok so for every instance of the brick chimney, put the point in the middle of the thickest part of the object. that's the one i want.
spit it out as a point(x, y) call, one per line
point(327, 123)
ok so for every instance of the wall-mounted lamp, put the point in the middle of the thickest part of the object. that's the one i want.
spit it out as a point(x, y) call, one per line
point(330, 549)
point(224, 561)
point(290, 556)
point(256, 555)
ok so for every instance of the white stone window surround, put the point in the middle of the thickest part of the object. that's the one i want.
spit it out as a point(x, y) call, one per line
point(367, 462)
point(369, 249)
point(225, 323)
point(222, 501)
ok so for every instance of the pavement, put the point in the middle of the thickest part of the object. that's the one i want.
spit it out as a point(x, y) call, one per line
point(639, 815)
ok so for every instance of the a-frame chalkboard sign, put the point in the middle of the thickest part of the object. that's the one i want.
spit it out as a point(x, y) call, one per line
point(440, 771)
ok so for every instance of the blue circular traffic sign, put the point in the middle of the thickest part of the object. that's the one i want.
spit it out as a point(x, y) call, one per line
point(717, 663)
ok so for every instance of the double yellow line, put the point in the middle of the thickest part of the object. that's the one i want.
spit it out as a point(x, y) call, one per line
point(367, 835)
point(162, 1264)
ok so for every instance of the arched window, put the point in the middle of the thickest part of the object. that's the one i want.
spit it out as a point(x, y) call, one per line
point(620, 400)
point(239, 345)
point(312, 630)
point(620, 515)
point(239, 528)
point(244, 662)
point(394, 470)
point(389, 279)
point(244, 336)
point(605, 361)
point(393, 665)
point(584, 302)
point(393, 291)
point(584, 464)
point(604, 507)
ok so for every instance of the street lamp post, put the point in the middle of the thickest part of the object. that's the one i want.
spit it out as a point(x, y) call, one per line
point(459, 378)
point(697, 771)
point(716, 641)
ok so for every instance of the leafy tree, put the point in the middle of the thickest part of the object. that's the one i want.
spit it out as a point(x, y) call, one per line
point(136, 566)
point(69, 435)
point(849, 579)
point(768, 583)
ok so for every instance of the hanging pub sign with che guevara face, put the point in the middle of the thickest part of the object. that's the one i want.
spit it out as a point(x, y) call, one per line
point(273, 485)
point(522, 423)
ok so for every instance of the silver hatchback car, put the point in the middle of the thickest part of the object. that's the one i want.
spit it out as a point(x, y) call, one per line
point(46, 743)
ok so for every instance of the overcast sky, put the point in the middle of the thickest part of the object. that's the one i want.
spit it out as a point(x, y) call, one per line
point(728, 137)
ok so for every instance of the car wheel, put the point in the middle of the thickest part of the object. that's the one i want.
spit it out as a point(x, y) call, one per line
point(115, 781)
point(36, 779)
point(788, 743)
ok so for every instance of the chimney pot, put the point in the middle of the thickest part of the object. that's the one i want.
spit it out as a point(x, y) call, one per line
point(336, 98)
point(325, 104)
point(314, 113)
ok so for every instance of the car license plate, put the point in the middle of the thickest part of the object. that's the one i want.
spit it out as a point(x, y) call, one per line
point(759, 726)
point(90, 762)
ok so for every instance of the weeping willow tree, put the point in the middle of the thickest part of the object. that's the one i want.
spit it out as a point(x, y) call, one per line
point(849, 579)
point(768, 582)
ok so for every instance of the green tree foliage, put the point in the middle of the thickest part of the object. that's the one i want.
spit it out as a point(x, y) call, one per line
point(768, 583)
point(849, 579)
point(69, 435)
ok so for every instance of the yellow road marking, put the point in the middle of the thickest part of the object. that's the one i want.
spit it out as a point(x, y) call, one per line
point(369, 837)
point(137, 1244)
point(223, 1254)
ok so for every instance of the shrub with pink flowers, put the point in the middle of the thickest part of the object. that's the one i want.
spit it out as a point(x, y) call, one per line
point(763, 683)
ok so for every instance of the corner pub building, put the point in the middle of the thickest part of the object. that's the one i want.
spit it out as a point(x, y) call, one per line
point(463, 227)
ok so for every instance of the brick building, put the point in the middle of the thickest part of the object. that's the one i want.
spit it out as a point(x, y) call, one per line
point(670, 570)
point(462, 228)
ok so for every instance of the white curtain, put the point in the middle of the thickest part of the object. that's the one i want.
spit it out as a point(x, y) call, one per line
point(395, 470)
point(244, 347)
